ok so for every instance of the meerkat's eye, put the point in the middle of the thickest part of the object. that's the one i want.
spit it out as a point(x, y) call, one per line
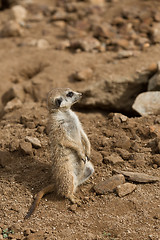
point(70, 94)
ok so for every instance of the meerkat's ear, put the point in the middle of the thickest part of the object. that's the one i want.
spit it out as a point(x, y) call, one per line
point(58, 102)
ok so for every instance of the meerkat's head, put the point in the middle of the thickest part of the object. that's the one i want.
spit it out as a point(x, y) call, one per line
point(62, 98)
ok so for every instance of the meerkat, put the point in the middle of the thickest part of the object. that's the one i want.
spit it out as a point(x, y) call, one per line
point(70, 147)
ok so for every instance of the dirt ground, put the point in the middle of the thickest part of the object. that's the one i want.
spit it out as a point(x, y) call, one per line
point(34, 70)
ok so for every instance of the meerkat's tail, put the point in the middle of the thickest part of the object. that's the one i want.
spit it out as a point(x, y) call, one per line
point(37, 200)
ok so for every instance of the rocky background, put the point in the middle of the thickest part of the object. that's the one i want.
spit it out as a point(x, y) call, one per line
point(109, 51)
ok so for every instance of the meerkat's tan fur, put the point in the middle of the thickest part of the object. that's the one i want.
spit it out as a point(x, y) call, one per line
point(70, 147)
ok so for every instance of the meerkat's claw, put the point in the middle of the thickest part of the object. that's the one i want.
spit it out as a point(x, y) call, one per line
point(88, 158)
point(84, 160)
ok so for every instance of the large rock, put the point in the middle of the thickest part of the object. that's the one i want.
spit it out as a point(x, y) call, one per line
point(113, 92)
point(16, 91)
point(147, 103)
point(154, 82)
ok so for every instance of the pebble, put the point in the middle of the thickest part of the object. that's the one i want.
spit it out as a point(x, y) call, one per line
point(34, 141)
point(26, 148)
point(147, 103)
point(124, 189)
point(109, 185)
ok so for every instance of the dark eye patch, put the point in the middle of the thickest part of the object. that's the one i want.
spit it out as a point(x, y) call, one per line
point(58, 101)
point(70, 94)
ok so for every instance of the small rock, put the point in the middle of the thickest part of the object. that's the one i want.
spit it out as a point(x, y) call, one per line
point(73, 33)
point(119, 117)
point(123, 153)
point(147, 103)
point(103, 30)
point(60, 24)
point(100, 3)
point(122, 141)
point(14, 145)
point(63, 45)
point(152, 68)
point(138, 159)
point(123, 43)
point(154, 83)
point(27, 231)
point(142, 41)
point(113, 159)
point(138, 177)
point(96, 157)
point(73, 208)
point(83, 75)
point(37, 17)
point(42, 44)
point(27, 121)
point(156, 159)
point(124, 189)
point(12, 105)
point(36, 236)
point(157, 16)
point(34, 141)
point(124, 54)
point(26, 148)
point(109, 185)
point(11, 29)
point(85, 44)
point(30, 125)
point(156, 33)
point(19, 13)
point(59, 15)
point(158, 146)
point(155, 129)
point(16, 91)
